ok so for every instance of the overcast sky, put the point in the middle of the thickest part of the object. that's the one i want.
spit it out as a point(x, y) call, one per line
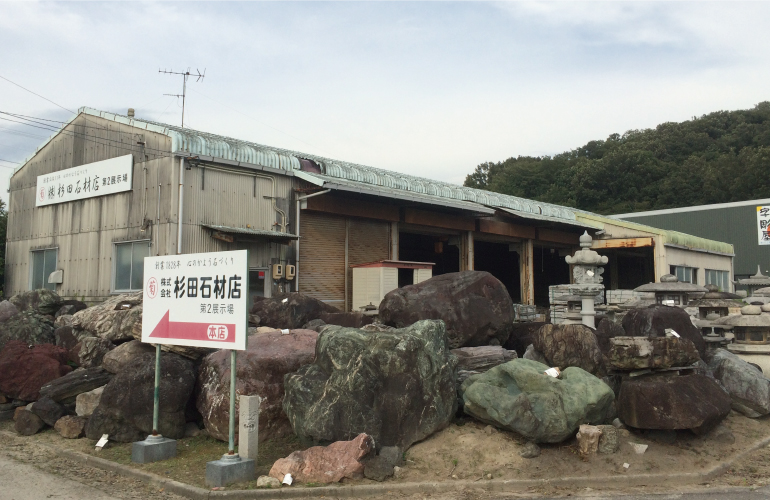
point(431, 89)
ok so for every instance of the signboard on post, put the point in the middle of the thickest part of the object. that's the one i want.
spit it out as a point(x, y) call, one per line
point(86, 181)
point(198, 300)
point(763, 225)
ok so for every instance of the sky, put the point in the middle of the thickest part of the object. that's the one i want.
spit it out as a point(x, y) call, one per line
point(426, 88)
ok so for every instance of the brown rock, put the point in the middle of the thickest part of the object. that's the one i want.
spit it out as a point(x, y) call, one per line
point(652, 321)
point(70, 427)
point(521, 336)
point(48, 410)
point(474, 305)
point(348, 319)
point(27, 423)
point(3, 400)
point(693, 402)
point(18, 411)
point(24, 370)
point(114, 360)
point(261, 369)
point(570, 345)
point(328, 464)
point(65, 389)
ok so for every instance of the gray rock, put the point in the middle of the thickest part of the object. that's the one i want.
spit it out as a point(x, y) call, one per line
point(382, 466)
point(289, 310)
point(43, 301)
point(638, 353)
point(126, 405)
point(70, 307)
point(609, 441)
point(113, 320)
point(474, 305)
point(482, 358)
point(92, 351)
point(398, 387)
point(7, 310)
point(748, 388)
point(534, 355)
point(518, 396)
point(316, 325)
point(570, 345)
point(115, 359)
point(65, 389)
point(27, 423)
point(191, 429)
point(48, 410)
point(652, 321)
point(268, 482)
point(70, 426)
point(530, 450)
point(63, 320)
point(29, 327)
point(87, 402)
point(721, 434)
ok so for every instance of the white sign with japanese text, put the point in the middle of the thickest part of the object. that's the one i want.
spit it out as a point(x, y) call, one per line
point(86, 181)
point(763, 220)
point(198, 299)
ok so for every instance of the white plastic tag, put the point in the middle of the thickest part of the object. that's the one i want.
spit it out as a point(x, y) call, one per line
point(103, 441)
point(287, 479)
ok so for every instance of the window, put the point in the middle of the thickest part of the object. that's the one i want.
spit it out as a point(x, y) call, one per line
point(129, 265)
point(43, 264)
point(685, 274)
point(718, 278)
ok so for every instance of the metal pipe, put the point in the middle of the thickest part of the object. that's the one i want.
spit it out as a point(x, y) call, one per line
point(296, 231)
point(181, 205)
point(156, 397)
point(232, 401)
point(157, 228)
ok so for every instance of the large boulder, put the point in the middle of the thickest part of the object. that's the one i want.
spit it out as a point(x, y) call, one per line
point(663, 402)
point(66, 389)
point(126, 404)
point(639, 353)
point(329, 464)
point(113, 319)
point(652, 321)
point(92, 351)
point(747, 386)
point(474, 305)
point(29, 327)
point(289, 310)
point(522, 335)
point(117, 358)
point(24, 369)
point(518, 396)
point(260, 372)
point(396, 386)
point(44, 301)
point(570, 345)
point(7, 310)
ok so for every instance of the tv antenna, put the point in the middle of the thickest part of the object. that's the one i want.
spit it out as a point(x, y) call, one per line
point(185, 76)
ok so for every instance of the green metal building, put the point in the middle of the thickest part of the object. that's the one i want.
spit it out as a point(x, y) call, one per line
point(735, 223)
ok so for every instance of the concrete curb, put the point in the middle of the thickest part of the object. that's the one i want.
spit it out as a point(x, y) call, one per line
point(370, 490)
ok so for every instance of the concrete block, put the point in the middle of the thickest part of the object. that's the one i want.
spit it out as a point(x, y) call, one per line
point(248, 426)
point(230, 469)
point(153, 449)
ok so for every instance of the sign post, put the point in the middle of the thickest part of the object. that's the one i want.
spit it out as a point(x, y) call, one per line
point(198, 300)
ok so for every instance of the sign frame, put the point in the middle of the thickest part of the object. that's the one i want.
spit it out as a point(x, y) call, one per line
point(168, 320)
point(100, 178)
point(763, 225)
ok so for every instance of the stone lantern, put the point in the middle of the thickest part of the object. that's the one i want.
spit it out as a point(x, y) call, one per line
point(670, 291)
point(751, 331)
point(574, 308)
point(712, 306)
point(587, 275)
point(759, 280)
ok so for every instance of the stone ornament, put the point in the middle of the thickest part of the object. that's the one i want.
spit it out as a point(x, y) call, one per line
point(587, 262)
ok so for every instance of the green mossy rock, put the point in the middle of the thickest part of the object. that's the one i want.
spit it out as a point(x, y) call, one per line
point(518, 396)
point(397, 386)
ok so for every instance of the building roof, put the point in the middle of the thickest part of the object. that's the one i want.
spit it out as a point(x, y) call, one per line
point(361, 178)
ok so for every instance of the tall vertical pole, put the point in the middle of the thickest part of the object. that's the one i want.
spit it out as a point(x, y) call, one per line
point(156, 397)
point(184, 93)
point(232, 401)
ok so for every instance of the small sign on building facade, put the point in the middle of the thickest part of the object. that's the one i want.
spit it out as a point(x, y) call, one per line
point(86, 181)
point(763, 223)
point(198, 300)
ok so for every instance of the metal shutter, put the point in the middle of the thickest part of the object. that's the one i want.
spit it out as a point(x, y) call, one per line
point(322, 257)
point(369, 241)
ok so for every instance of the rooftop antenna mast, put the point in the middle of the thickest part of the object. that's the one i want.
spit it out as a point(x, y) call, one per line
point(185, 76)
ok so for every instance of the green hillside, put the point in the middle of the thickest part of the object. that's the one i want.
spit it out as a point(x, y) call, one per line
point(717, 158)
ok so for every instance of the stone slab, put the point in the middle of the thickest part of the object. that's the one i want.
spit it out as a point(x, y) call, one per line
point(227, 471)
point(153, 449)
point(248, 422)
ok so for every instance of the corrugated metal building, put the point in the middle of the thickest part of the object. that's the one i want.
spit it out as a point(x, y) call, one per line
point(735, 223)
point(286, 207)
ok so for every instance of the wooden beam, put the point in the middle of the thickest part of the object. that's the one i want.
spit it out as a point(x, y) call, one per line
point(623, 243)
point(506, 229)
point(436, 219)
point(467, 259)
point(557, 236)
point(526, 272)
point(353, 208)
point(223, 237)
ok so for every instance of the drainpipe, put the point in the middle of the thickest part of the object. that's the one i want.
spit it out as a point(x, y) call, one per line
point(296, 249)
point(181, 205)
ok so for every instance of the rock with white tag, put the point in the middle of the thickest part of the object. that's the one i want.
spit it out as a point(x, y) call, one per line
point(289, 310)
point(638, 353)
point(653, 321)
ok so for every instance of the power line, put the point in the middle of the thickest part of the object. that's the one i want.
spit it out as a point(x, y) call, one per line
point(35, 93)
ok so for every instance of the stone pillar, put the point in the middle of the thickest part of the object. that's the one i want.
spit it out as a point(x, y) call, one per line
point(587, 276)
point(248, 426)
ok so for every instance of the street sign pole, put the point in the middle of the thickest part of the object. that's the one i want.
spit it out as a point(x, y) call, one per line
point(232, 401)
point(156, 397)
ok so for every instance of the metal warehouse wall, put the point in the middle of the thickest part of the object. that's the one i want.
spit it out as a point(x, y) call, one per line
point(736, 225)
point(84, 231)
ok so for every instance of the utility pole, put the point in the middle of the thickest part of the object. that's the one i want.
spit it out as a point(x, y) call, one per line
point(185, 76)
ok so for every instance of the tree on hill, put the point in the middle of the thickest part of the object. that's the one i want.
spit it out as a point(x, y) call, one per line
point(717, 158)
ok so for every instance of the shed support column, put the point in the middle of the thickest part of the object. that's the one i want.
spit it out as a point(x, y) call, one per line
point(466, 251)
point(394, 241)
point(526, 271)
